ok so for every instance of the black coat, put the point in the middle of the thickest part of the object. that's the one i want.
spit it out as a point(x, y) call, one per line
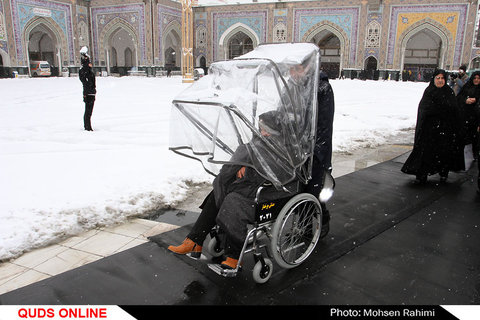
point(469, 112)
point(326, 110)
point(436, 147)
point(87, 77)
point(235, 197)
point(322, 155)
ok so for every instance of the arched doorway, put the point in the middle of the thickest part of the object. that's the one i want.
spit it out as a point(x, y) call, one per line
point(371, 71)
point(170, 59)
point(330, 50)
point(475, 64)
point(3, 70)
point(122, 53)
point(422, 55)
point(239, 44)
point(203, 64)
point(173, 49)
point(42, 46)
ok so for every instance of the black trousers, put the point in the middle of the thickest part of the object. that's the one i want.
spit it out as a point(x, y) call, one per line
point(206, 220)
point(315, 186)
point(478, 161)
point(205, 223)
point(89, 102)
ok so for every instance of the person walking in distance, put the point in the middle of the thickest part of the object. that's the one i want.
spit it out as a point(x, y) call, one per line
point(87, 77)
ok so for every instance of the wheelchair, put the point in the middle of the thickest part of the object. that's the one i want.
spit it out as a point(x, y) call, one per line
point(222, 111)
point(285, 230)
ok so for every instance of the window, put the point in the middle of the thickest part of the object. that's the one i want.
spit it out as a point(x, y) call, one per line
point(239, 44)
point(201, 37)
point(373, 35)
point(280, 33)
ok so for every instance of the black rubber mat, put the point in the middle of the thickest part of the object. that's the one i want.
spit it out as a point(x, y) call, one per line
point(390, 242)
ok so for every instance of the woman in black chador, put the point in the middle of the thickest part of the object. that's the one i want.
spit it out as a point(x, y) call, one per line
point(468, 100)
point(436, 148)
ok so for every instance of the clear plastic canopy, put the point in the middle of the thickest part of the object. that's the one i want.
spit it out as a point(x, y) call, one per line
point(262, 105)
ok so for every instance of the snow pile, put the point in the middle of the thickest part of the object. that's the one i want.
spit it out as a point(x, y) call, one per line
point(57, 180)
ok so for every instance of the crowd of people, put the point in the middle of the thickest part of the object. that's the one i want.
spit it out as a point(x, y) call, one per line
point(448, 125)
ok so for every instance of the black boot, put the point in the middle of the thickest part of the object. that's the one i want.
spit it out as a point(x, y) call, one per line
point(478, 184)
point(443, 176)
point(325, 224)
point(421, 179)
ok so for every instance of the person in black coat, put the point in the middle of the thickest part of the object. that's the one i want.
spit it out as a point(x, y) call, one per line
point(468, 100)
point(87, 77)
point(322, 158)
point(477, 112)
point(436, 148)
point(231, 203)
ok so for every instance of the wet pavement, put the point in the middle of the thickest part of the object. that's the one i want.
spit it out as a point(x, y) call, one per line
point(391, 242)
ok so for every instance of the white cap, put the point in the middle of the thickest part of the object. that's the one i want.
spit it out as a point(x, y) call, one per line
point(84, 50)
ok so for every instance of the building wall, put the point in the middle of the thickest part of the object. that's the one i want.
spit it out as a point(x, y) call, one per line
point(453, 21)
point(153, 26)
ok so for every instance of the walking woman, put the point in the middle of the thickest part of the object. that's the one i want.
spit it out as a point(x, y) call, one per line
point(437, 147)
point(468, 100)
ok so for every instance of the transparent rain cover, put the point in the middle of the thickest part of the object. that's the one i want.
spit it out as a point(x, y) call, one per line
point(219, 114)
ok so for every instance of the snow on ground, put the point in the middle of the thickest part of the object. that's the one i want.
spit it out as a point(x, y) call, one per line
point(57, 180)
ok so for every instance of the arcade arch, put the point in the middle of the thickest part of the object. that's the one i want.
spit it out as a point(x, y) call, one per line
point(334, 46)
point(45, 40)
point(371, 66)
point(239, 44)
point(424, 46)
point(172, 42)
point(238, 39)
point(422, 54)
point(475, 63)
point(330, 50)
point(119, 48)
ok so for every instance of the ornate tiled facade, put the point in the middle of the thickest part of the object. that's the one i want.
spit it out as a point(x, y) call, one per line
point(365, 29)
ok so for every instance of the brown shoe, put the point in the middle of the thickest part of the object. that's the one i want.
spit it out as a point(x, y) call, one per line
point(187, 246)
point(229, 263)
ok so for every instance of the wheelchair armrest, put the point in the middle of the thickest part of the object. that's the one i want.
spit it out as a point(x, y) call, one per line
point(264, 186)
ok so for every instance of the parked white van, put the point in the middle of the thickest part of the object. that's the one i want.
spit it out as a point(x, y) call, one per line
point(40, 68)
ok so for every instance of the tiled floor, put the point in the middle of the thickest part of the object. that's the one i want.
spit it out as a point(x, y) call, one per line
point(99, 243)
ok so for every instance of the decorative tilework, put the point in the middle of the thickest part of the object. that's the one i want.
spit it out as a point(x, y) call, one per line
point(372, 18)
point(255, 20)
point(200, 24)
point(3, 31)
point(346, 19)
point(82, 14)
point(280, 16)
point(23, 12)
point(131, 14)
point(452, 17)
point(166, 16)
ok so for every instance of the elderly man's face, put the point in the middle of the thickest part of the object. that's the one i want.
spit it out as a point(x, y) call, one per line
point(297, 72)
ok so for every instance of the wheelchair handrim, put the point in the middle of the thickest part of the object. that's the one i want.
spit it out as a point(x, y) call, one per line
point(282, 252)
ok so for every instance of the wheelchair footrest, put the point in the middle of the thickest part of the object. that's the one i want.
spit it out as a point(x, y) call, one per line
point(228, 273)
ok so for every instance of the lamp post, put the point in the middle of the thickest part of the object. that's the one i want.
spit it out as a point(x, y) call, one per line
point(187, 40)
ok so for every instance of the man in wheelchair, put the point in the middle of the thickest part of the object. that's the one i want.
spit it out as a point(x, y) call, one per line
point(222, 111)
point(231, 204)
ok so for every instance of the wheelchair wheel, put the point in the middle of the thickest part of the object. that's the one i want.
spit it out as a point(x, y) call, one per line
point(296, 230)
point(214, 248)
point(262, 272)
